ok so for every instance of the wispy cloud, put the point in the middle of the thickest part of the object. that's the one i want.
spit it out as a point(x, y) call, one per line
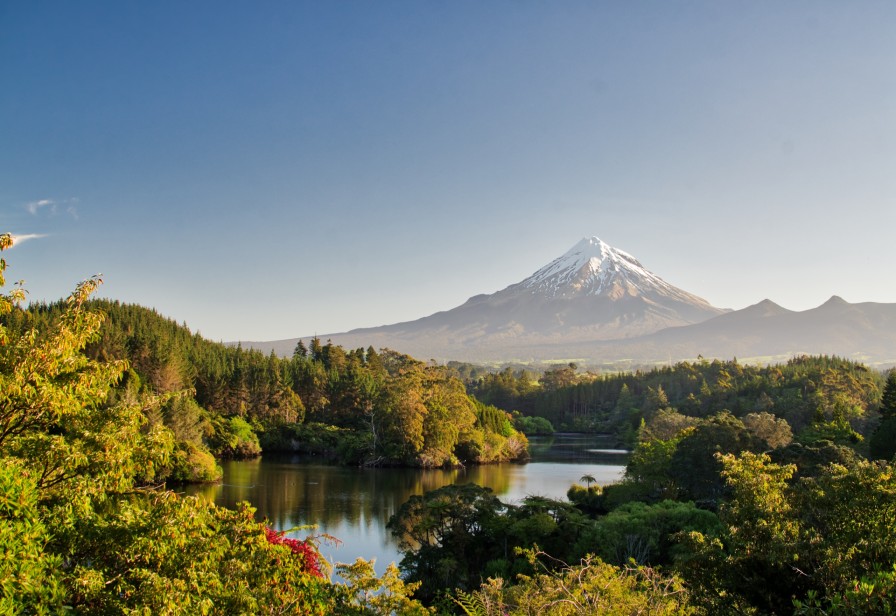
point(21, 239)
point(35, 206)
point(54, 206)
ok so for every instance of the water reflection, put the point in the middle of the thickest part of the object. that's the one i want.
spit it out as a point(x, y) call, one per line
point(354, 504)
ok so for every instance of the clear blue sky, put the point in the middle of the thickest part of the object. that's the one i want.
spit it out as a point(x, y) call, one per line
point(265, 170)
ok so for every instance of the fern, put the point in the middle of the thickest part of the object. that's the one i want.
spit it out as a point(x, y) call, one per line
point(470, 603)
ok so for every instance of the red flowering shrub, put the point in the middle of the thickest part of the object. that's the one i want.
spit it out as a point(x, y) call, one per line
point(306, 551)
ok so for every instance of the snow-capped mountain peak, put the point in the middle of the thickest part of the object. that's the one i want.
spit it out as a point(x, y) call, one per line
point(593, 267)
point(592, 293)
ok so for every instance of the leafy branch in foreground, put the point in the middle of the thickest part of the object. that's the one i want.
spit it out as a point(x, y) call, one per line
point(591, 587)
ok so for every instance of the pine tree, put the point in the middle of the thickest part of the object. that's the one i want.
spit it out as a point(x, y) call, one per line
point(888, 400)
point(316, 349)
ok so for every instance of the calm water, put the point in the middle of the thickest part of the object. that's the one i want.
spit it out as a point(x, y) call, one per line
point(354, 504)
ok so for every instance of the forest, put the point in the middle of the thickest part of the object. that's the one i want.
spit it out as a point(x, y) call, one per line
point(749, 489)
point(359, 407)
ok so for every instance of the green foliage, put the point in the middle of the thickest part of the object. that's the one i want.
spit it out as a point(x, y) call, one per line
point(817, 543)
point(694, 466)
point(27, 571)
point(888, 398)
point(493, 419)
point(455, 535)
point(385, 595)
point(755, 563)
point(533, 425)
point(589, 500)
point(838, 432)
point(803, 391)
point(813, 460)
point(882, 445)
point(398, 411)
point(506, 389)
point(850, 522)
point(234, 438)
point(872, 594)
point(473, 604)
point(165, 554)
point(645, 534)
point(446, 535)
point(191, 463)
point(591, 587)
point(648, 474)
point(187, 420)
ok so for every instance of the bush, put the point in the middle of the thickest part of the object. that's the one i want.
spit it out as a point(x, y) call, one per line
point(533, 425)
point(645, 533)
point(27, 570)
point(590, 500)
point(192, 463)
point(234, 438)
point(591, 587)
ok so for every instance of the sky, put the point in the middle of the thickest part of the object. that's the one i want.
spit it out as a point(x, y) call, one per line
point(269, 170)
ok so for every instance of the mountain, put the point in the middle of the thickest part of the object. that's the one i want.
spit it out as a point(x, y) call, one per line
point(863, 331)
point(593, 292)
point(765, 331)
point(597, 304)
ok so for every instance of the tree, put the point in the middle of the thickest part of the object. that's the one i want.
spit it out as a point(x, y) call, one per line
point(888, 400)
point(775, 432)
point(667, 424)
point(694, 466)
point(590, 587)
point(558, 378)
point(648, 534)
point(754, 562)
point(825, 543)
point(445, 534)
point(316, 349)
point(27, 572)
point(882, 444)
point(648, 473)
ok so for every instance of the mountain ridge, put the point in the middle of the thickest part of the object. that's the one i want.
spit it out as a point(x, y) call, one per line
point(591, 292)
point(596, 303)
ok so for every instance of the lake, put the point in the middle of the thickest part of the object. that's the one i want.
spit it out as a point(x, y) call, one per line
point(354, 504)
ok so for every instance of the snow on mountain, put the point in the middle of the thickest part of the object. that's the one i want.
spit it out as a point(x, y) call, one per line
point(593, 267)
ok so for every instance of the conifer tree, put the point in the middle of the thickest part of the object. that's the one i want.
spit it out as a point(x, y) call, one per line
point(888, 400)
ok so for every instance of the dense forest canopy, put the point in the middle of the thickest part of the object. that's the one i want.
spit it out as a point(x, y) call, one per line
point(358, 406)
point(827, 394)
point(749, 490)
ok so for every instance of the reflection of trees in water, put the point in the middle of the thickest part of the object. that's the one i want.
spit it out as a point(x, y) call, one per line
point(539, 446)
point(494, 476)
point(295, 494)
